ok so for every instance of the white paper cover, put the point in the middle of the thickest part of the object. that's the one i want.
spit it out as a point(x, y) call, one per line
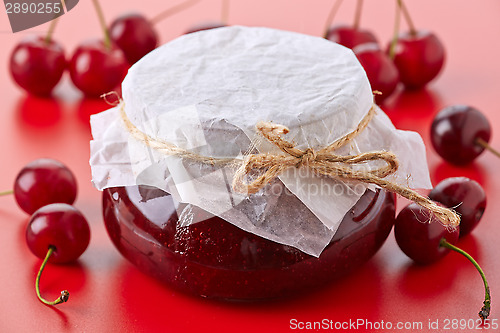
point(206, 91)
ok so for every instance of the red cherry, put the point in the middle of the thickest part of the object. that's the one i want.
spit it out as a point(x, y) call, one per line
point(465, 196)
point(44, 181)
point(96, 69)
point(422, 238)
point(37, 65)
point(205, 26)
point(419, 233)
point(60, 226)
point(350, 36)
point(456, 131)
point(381, 71)
point(419, 57)
point(135, 35)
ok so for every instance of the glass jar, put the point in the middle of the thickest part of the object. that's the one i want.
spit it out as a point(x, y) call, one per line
point(216, 259)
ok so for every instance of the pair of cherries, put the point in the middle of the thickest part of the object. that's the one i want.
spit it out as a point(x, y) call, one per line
point(422, 238)
point(413, 58)
point(57, 232)
point(97, 66)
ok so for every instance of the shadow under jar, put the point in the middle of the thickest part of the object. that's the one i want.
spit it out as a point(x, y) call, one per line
point(216, 259)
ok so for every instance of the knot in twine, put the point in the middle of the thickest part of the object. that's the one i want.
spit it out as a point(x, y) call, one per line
point(323, 162)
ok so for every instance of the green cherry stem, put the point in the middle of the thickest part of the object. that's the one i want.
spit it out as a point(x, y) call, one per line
point(102, 21)
point(409, 21)
point(485, 310)
point(357, 15)
point(8, 192)
point(397, 20)
point(64, 294)
point(173, 10)
point(331, 16)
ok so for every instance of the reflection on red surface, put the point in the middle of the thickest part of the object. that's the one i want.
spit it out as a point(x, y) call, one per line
point(444, 170)
point(410, 109)
point(432, 280)
point(38, 111)
point(360, 292)
point(90, 106)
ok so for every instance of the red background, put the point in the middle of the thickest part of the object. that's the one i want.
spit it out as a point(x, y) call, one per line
point(109, 294)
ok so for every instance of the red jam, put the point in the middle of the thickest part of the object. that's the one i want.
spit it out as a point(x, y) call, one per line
point(214, 258)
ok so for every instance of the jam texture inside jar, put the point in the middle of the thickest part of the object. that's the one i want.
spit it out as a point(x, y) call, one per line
point(216, 259)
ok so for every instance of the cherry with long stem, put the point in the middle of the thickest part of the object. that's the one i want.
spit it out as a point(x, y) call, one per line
point(58, 233)
point(136, 35)
point(485, 310)
point(38, 63)
point(104, 63)
point(460, 133)
point(418, 54)
point(64, 294)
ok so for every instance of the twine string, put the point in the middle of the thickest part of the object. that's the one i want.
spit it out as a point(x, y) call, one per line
point(323, 162)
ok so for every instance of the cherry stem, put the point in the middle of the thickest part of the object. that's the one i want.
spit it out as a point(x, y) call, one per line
point(50, 32)
point(225, 11)
point(6, 192)
point(102, 21)
point(357, 15)
point(397, 20)
point(485, 145)
point(172, 10)
point(64, 294)
point(331, 16)
point(411, 26)
point(485, 310)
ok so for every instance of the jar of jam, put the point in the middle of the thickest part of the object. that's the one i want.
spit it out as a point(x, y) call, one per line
point(216, 259)
point(169, 155)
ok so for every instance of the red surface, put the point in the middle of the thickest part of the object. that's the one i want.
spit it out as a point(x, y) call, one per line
point(108, 294)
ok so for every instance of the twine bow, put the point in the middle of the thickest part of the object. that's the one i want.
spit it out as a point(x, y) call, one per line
point(323, 162)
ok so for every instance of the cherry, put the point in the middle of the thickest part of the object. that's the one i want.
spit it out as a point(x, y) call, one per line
point(97, 68)
point(418, 234)
point(37, 64)
point(57, 233)
point(465, 196)
point(44, 181)
point(422, 238)
point(381, 71)
point(350, 36)
point(61, 226)
point(459, 133)
point(418, 55)
point(135, 35)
